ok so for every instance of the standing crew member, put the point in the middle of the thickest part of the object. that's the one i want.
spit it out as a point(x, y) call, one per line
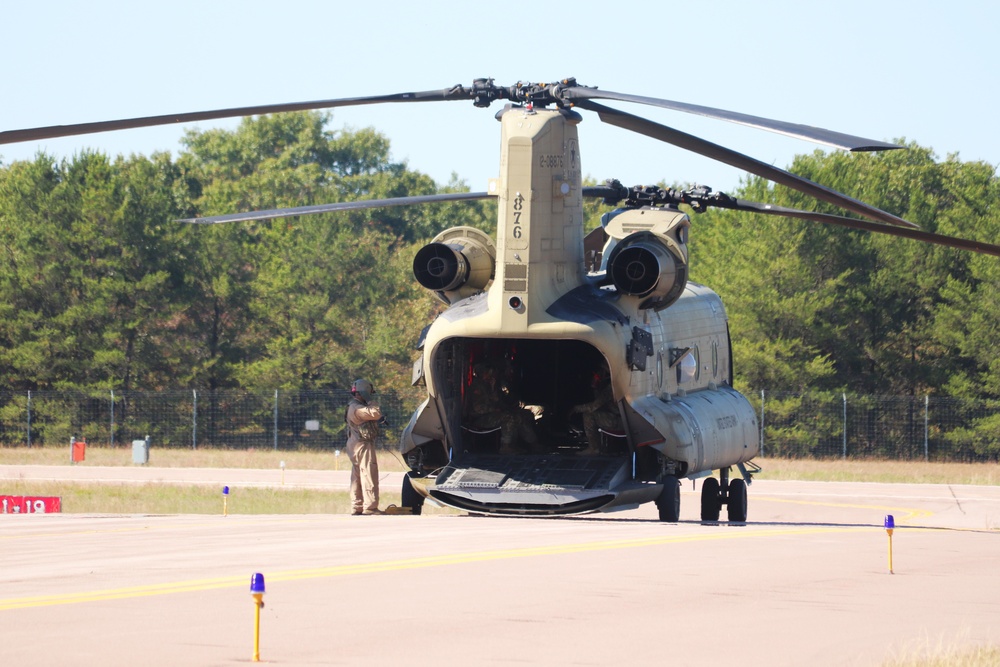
point(363, 417)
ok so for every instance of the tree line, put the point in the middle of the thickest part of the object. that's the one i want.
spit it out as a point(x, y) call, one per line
point(101, 288)
point(814, 306)
point(817, 309)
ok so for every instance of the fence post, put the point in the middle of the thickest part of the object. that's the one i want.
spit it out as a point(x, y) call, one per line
point(762, 422)
point(845, 425)
point(927, 408)
point(194, 419)
point(275, 420)
point(29, 419)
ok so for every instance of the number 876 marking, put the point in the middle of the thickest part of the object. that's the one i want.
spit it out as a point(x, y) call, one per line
point(518, 209)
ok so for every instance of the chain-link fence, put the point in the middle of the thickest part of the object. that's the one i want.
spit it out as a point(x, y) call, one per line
point(810, 425)
point(829, 425)
point(194, 419)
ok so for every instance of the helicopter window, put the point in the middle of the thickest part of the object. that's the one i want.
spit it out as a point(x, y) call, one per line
point(687, 369)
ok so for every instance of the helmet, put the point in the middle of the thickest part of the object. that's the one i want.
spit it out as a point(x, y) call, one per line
point(363, 388)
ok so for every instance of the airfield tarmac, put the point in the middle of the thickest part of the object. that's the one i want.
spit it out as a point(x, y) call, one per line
point(805, 582)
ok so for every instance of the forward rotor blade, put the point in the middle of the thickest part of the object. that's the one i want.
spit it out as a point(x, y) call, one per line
point(740, 161)
point(340, 206)
point(816, 134)
point(54, 131)
point(916, 234)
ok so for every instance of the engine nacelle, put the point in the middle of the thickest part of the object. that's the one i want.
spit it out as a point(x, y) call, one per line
point(457, 263)
point(649, 259)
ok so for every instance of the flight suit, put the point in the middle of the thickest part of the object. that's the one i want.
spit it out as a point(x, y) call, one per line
point(488, 410)
point(361, 452)
point(600, 413)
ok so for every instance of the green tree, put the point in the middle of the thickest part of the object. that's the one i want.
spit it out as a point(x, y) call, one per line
point(779, 294)
point(846, 310)
point(896, 280)
point(87, 275)
point(327, 306)
point(309, 302)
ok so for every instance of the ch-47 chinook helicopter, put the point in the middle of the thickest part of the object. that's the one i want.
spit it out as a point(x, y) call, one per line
point(544, 320)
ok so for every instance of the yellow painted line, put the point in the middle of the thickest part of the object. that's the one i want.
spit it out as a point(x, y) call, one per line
point(89, 531)
point(120, 593)
point(158, 528)
point(552, 550)
point(726, 533)
point(910, 513)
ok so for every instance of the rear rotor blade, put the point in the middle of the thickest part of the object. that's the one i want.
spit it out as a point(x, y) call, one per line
point(54, 131)
point(340, 206)
point(702, 198)
point(816, 134)
point(740, 161)
point(916, 234)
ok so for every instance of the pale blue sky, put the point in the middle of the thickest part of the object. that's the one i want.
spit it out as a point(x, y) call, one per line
point(926, 71)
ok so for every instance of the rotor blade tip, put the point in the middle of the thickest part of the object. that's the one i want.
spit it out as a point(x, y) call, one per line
point(877, 148)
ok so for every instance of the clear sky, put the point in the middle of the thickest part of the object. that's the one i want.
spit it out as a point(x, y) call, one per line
point(883, 69)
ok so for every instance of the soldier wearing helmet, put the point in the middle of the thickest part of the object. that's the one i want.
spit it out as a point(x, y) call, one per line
point(599, 414)
point(363, 417)
point(491, 406)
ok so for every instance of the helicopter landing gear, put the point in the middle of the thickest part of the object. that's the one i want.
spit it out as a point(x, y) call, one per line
point(711, 499)
point(718, 492)
point(737, 504)
point(669, 501)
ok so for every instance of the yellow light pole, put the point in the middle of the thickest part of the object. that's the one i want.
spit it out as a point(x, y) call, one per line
point(257, 592)
point(225, 501)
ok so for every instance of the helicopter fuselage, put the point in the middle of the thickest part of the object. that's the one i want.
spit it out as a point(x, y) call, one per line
point(546, 332)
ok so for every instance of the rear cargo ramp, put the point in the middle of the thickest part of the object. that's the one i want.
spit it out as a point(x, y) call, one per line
point(532, 485)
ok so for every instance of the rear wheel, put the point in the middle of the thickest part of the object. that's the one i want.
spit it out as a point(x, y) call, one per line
point(711, 501)
point(410, 498)
point(669, 502)
point(738, 500)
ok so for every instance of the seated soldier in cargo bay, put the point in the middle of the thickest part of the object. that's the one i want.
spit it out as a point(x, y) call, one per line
point(490, 406)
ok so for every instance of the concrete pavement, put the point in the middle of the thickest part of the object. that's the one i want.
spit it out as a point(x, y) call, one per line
point(806, 581)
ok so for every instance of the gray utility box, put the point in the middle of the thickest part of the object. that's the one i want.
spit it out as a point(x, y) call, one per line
point(140, 451)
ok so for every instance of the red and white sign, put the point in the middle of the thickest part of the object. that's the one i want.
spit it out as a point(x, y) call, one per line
point(30, 504)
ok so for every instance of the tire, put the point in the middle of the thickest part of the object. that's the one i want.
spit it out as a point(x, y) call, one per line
point(410, 498)
point(669, 502)
point(711, 501)
point(738, 501)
